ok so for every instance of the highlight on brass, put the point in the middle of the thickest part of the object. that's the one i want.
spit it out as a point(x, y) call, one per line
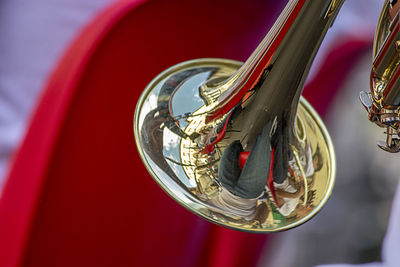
point(236, 143)
point(383, 101)
point(268, 186)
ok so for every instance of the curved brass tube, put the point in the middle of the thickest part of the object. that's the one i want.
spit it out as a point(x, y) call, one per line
point(236, 143)
point(383, 101)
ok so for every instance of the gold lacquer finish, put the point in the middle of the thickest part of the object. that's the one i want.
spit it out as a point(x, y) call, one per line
point(175, 160)
point(235, 143)
point(383, 100)
point(335, 5)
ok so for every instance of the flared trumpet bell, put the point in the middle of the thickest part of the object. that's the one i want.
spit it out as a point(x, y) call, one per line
point(235, 143)
point(183, 153)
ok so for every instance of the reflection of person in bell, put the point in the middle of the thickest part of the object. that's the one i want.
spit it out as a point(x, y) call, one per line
point(242, 188)
point(311, 162)
point(289, 192)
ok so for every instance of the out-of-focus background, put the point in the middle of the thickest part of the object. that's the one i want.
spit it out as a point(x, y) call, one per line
point(73, 188)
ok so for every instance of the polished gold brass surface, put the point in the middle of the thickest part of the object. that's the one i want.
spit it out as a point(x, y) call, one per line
point(190, 177)
point(383, 100)
point(235, 143)
point(334, 6)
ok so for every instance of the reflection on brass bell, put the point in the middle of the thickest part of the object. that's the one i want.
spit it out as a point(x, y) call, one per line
point(236, 143)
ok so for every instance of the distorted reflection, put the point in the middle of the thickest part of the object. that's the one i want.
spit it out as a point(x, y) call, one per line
point(269, 183)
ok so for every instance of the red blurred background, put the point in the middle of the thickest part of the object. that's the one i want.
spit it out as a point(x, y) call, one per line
point(77, 193)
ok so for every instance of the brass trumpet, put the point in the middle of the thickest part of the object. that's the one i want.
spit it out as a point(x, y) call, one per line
point(237, 144)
